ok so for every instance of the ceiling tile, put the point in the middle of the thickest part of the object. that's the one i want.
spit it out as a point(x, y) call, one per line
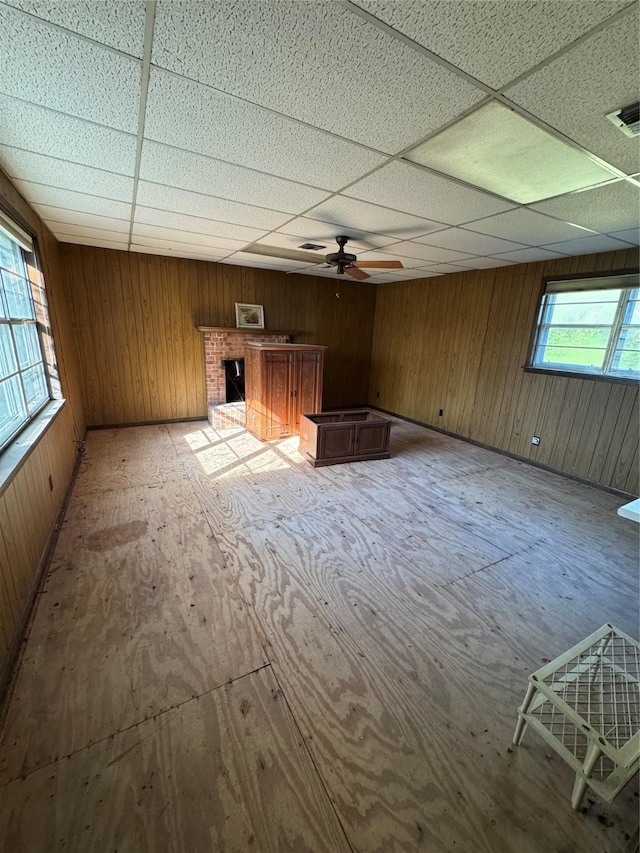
point(207, 206)
point(631, 236)
point(414, 190)
point(58, 215)
point(171, 253)
point(402, 275)
point(68, 74)
point(613, 207)
point(40, 169)
point(311, 230)
point(191, 116)
point(174, 167)
point(119, 24)
point(468, 241)
point(526, 226)
point(121, 245)
point(178, 247)
point(81, 202)
point(196, 224)
point(246, 259)
point(529, 256)
point(576, 91)
point(142, 232)
point(328, 71)
point(485, 39)
point(484, 263)
point(34, 128)
point(64, 228)
point(427, 253)
point(588, 245)
point(444, 269)
point(346, 212)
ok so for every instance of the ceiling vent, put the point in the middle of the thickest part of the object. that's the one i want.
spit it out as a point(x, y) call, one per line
point(627, 119)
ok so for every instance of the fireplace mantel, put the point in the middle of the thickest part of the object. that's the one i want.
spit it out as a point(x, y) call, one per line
point(232, 330)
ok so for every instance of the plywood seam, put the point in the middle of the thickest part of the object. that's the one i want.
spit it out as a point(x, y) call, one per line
point(94, 743)
point(314, 764)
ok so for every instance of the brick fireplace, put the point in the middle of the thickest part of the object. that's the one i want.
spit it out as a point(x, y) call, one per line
point(221, 344)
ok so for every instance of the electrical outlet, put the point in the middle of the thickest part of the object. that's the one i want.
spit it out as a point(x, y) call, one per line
point(535, 440)
point(440, 412)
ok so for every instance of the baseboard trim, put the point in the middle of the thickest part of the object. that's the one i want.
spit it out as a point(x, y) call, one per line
point(148, 423)
point(11, 664)
point(534, 463)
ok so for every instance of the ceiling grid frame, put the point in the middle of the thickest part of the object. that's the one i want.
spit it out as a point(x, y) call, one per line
point(305, 215)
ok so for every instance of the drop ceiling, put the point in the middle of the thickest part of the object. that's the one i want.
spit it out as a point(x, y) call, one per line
point(198, 129)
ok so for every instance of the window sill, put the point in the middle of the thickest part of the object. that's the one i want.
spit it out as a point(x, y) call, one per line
point(576, 374)
point(16, 454)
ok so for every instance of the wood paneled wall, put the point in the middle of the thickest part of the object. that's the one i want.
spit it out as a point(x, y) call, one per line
point(141, 356)
point(28, 506)
point(458, 343)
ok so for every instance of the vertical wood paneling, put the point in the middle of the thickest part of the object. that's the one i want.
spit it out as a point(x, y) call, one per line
point(27, 511)
point(142, 358)
point(28, 506)
point(459, 344)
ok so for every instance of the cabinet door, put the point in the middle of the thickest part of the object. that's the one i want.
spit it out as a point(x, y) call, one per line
point(308, 385)
point(370, 438)
point(277, 396)
point(336, 441)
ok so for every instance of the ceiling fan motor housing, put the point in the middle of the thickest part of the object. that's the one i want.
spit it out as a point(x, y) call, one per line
point(342, 260)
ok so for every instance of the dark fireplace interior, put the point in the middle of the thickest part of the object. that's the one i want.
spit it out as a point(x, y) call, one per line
point(234, 379)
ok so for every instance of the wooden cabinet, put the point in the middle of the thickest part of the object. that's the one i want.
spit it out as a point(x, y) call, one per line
point(282, 381)
point(346, 436)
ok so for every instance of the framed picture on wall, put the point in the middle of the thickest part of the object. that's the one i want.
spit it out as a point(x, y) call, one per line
point(249, 316)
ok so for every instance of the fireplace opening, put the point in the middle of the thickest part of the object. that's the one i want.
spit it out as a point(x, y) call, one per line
point(234, 379)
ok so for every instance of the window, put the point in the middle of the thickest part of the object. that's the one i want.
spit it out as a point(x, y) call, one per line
point(590, 326)
point(24, 387)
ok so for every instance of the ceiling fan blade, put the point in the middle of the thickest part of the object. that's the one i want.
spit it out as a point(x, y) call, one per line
point(285, 254)
point(380, 265)
point(354, 272)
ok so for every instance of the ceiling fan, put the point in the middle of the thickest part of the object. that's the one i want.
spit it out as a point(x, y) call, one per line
point(341, 260)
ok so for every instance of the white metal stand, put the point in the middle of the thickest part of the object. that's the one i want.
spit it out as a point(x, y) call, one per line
point(586, 705)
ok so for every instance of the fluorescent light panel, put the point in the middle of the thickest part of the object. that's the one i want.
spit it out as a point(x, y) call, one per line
point(498, 150)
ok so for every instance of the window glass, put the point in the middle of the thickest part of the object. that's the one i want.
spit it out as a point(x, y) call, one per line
point(35, 387)
point(8, 362)
point(589, 331)
point(13, 411)
point(23, 372)
point(10, 254)
point(27, 344)
point(18, 296)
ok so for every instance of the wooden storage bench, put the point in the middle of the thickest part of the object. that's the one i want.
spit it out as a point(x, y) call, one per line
point(328, 438)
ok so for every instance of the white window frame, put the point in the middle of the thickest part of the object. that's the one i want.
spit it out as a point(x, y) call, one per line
point(10, 229)
point(628, 283)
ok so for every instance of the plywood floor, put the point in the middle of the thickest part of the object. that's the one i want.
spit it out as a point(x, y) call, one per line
point(236, 652)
